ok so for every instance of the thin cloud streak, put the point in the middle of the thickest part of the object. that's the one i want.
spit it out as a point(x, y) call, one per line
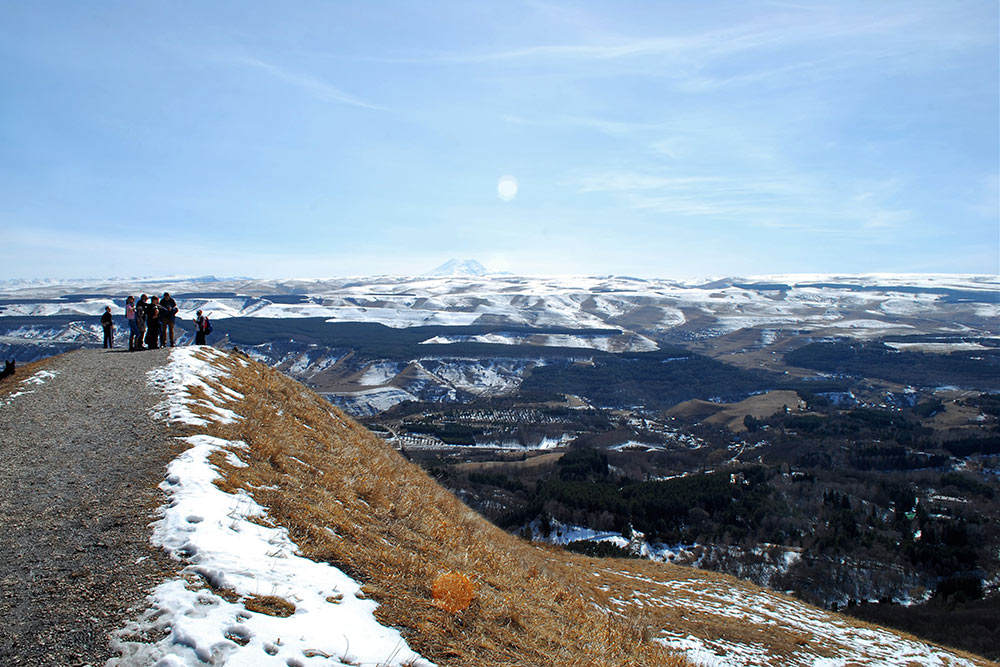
point(885, 32)
point(791, 202)
point(312, 85)
point(632, 181)
point(611, 128)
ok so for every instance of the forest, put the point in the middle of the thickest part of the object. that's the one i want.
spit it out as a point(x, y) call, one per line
point(877, 506)
point(978, 369)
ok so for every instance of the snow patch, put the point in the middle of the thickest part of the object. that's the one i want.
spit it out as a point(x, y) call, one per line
point(213, 533)
point(846, 643)
point(939, 348)
point(606, 343)
point(184, 372)
point(369, 401)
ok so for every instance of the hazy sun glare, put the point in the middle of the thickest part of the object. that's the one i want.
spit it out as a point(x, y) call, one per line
point(507, 187)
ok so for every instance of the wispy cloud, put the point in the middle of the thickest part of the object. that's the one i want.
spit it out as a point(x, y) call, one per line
point(610, 51)
point(805, 26)
point(745, 50)
point(779, 201)
point(614, 128)
point(314, 86)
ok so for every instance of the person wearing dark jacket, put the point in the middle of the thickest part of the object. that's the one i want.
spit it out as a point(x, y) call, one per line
point(140, 320)
point(167, 315)
point(109, 329)
point(200, 324)
point(153, 323)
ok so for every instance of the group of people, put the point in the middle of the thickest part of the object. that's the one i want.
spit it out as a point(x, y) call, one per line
point(151, 323)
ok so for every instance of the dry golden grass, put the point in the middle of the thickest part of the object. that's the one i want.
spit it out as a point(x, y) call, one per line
point(271, 605)
point(349, 499)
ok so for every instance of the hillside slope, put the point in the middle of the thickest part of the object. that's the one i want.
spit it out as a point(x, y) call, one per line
point(291, 521)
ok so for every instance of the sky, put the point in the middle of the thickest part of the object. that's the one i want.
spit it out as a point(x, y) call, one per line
point(660, 139)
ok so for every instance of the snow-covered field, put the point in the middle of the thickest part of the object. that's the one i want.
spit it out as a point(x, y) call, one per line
point(220, 538)
point(368, 402)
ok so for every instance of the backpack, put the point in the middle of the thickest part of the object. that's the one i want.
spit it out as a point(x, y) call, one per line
point(208, 327)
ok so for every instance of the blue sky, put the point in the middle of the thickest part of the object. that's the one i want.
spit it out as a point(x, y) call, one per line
point(656, 139)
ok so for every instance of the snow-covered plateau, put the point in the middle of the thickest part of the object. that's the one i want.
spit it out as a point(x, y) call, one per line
point(845, 302)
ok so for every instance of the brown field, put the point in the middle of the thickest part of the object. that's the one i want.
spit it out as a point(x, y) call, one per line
point(957, 417)
point(530, 462)
point(731, 415)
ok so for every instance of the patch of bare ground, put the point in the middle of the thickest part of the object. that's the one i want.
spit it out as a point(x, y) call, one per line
point(958, 418)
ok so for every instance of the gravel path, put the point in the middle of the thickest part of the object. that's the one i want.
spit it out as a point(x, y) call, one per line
point(81, 461)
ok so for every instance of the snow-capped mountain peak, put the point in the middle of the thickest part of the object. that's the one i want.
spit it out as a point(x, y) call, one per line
point(465, 267)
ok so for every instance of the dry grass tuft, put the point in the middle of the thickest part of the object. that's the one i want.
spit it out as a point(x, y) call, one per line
point(453, 591)
point(272, 605)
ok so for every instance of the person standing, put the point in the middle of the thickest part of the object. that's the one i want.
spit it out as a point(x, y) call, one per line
point(109, 328)
point(133, 328)
point(168, 315)
point(153, 323)
point(200, 326)
point(140, 320)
